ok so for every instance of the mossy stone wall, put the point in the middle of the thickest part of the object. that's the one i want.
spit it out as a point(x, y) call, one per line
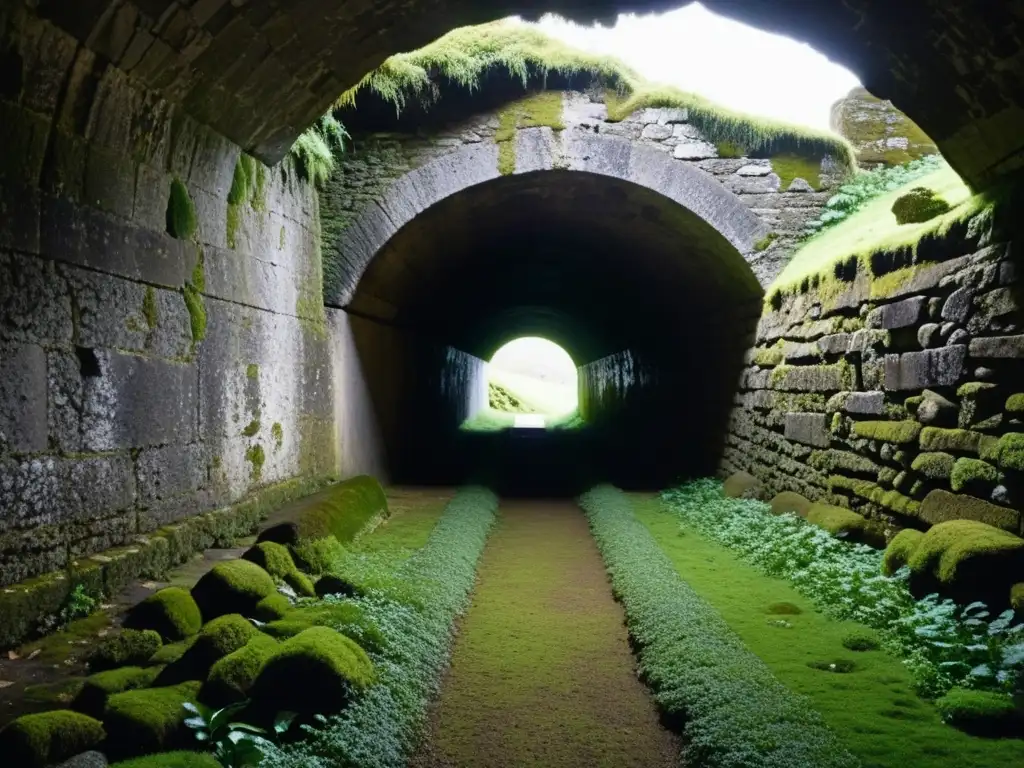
point(784, 193)
point(920, 426)
point(156, 330)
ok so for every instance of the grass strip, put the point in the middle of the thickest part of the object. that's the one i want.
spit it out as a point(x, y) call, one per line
point(873, 707)
point(416, 612)
point(736, 714)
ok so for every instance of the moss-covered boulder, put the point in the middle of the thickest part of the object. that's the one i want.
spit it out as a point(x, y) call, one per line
point(151, 720)
point(346, 617)
point(170, 652)
point(92, 698)
point(236, 586)
point(789, 502)
point(940, 506)
point(218, 638)
point(272, 608)
point(898, 432)
point(341, 511)
point(742, 485)
point(276, 560)
point(981, 713)
point(935, 465)
point(231, 677)
point(919, 205)
point(35, 741)
point(900, 550)
point(973, 476)
point(132, 647)
point(838, 521)
point(314, 672)
point(180, 759)
point(171, 612)
point(968, 560)
point(1017, 597)
point(318, 556)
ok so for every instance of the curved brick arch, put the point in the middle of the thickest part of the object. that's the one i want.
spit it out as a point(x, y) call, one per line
point(537, 150)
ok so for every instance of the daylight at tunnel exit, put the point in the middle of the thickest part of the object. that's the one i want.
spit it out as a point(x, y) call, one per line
point(605, 384)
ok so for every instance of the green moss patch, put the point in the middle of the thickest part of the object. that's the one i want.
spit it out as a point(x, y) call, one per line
point(1008, 452)
point(147, 721)
point(180, 759)
point(900, 550)
point(1015, 404)
point(235, 586)
point(861, 640)
point(181, 212)
point(347, 618)
point(272, 608)
point(343, 512)
point(939, 439)
point(92, 698)
point(539, 109)
point(789, 167)
point(934, 465)
point(171, 612)
point(973, 476)
point(742, 485)
point(130, 647)
point(836, 520)
point(35, 741)
point(981, 712)
point(899, 432)
point(968, 560)
point(314, 672)
point(790, 502)
point(918, 205)
point(231, 677)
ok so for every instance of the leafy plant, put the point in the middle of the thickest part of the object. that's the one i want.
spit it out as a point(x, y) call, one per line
point(865, 187)
point(943, 644)
point(234, 744)
point(78, 604)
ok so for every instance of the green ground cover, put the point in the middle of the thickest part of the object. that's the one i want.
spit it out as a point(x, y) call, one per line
point(542, 672)
point(873, 707)
point(873, 228)
point(408, 528)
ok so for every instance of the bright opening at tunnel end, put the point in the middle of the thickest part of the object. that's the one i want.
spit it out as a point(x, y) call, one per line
point(531, 384)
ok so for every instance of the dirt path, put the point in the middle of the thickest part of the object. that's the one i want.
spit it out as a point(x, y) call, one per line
point(542, 673)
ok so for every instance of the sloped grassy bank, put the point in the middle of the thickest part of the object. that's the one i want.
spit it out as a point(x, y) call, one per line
point(868, 697)
point(735, 713)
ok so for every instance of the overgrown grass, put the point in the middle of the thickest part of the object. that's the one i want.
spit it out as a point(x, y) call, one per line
point(873, 707)
point(736, 712)
point(490, 420)
point(465, 55)
point(873, 229)
point(536, 395)
point(541, 660)
point(415, 608)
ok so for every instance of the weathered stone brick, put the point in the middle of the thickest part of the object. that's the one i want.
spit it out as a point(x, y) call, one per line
point(928, 368)
point(998, 346)
point(808, 428)
point(900, 314)
point(22, 398)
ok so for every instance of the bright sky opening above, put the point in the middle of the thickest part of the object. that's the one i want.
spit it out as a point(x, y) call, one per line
point(723, 60)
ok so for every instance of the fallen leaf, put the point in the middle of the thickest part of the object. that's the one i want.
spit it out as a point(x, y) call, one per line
point(13, 656)
point(34, 653)
point(150, 584)
point(5, 683)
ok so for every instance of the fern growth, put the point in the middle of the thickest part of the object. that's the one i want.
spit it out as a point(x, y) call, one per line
point(314, 151)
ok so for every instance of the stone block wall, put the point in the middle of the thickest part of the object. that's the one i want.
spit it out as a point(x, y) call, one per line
point(144, 378)
point(896, 394)
point(375, 163)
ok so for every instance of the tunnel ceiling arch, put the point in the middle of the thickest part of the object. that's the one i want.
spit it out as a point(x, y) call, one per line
point(594, 263)
point(260, 72)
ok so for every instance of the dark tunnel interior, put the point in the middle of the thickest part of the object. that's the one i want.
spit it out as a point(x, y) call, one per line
point(651, 301)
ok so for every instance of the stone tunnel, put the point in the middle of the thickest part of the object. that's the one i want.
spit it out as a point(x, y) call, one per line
point(188, 326)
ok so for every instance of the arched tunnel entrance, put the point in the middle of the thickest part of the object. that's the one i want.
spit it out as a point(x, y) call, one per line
point(654, 304)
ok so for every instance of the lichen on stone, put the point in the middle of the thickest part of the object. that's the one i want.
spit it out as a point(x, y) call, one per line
point(898, 432)
point(256, 458)
point(149, 308)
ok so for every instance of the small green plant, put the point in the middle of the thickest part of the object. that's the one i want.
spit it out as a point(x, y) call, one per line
point(918, 205)
point(861, 641)
point(78, 604)
point(234, 744)
point(314, 151)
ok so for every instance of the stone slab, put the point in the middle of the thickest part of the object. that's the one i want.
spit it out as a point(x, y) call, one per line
point(928, 368)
